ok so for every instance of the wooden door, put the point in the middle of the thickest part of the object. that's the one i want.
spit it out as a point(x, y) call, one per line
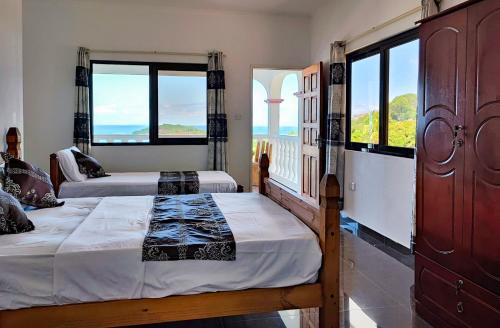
point(482, 141)
point(440, 157)
point(312, 153)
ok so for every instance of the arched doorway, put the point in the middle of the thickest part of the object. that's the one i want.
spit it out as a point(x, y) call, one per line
point(279, 135)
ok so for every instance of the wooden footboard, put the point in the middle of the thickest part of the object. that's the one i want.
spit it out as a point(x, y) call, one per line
point(323, 220)
point(326, 224)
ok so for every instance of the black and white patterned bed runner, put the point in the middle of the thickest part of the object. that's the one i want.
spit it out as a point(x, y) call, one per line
point(188, 227)
point(178, 183)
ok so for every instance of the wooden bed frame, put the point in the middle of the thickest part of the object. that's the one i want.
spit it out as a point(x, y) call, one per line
point(57, 177)
point(324, 294)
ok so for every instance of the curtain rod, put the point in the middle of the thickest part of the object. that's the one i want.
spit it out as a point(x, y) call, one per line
point(143, 52)
point(387, 23)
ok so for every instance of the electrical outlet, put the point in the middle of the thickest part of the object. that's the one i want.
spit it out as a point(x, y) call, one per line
point(353, 186)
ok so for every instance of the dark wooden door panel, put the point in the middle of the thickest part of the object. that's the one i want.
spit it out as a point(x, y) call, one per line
point(314, 110)
point(306, 136)
point(438, 217)
point(307, 83)
point(306, 170)
point(440, 159)
point(440, 68)
point(312, 152)
point(482, 139)
point(307, 110)
point(314, 189)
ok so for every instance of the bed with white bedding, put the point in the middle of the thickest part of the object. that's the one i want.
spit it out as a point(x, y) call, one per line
point(90, 250)
point(140, 184)
point(69, 182)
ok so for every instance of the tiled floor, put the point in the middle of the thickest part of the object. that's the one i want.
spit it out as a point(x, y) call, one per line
point(376, 291)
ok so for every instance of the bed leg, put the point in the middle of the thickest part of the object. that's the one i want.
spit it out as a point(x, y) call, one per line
point(329, 315)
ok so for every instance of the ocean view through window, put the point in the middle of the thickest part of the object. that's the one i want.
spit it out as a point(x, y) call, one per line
point(134, 103)
point(120, 95)
point(182, 104)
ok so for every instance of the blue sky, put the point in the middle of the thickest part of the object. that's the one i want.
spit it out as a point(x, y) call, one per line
point(260, 109)
point(121, 99)
point(124, 99)
point(182, 100)
point(289, 108)
point(403, 77)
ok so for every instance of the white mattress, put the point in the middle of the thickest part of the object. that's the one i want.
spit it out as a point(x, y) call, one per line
point(141, 184)
point(27, 260)
point(90, 250)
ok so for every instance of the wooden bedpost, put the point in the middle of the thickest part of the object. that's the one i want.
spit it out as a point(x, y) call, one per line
point(329, 236)
point(13, 138)
point(263, 172)
point(55, 177)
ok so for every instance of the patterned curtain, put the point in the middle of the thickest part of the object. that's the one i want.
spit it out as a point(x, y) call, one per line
point(430, 7)
point(81, 132)
point(336, 115)
point(217, 120)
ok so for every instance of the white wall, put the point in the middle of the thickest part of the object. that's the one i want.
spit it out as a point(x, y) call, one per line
point(11, 70)
point(383, 192)
point(53, 29)
point(383, 198)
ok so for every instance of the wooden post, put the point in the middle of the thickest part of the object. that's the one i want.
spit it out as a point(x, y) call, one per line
point(14, 142)
point(55, 173)
point(329, 236)
point(263, 172)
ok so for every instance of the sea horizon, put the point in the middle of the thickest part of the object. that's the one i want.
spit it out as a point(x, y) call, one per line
point(118, 129)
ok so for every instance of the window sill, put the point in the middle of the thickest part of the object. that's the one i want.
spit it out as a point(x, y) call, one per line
point(383, 150)
point(182, 142)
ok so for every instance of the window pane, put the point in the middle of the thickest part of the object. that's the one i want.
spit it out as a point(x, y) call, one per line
point(260, 110)
point(403, 80)
point(289, 108)
point(182, 104)
point(120, 95)
point(365, 95)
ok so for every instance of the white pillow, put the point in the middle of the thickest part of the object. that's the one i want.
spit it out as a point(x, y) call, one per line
point(68, 165)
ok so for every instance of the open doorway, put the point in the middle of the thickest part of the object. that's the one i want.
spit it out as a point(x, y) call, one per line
point(276, 124)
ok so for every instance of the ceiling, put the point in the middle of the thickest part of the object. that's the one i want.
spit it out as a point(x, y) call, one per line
point(284, 7)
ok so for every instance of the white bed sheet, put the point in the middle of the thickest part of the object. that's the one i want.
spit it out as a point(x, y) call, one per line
point(100, 259)
point(140, 184)
point(27, 260)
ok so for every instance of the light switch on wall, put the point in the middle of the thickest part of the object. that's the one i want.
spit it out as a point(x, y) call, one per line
point(353, 186)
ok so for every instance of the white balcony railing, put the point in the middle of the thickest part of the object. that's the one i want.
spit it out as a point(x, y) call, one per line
point(121, 138)
point(285, 155)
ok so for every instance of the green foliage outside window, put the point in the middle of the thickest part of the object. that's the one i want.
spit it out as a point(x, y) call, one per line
point(402, 123)
point(364, 128)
